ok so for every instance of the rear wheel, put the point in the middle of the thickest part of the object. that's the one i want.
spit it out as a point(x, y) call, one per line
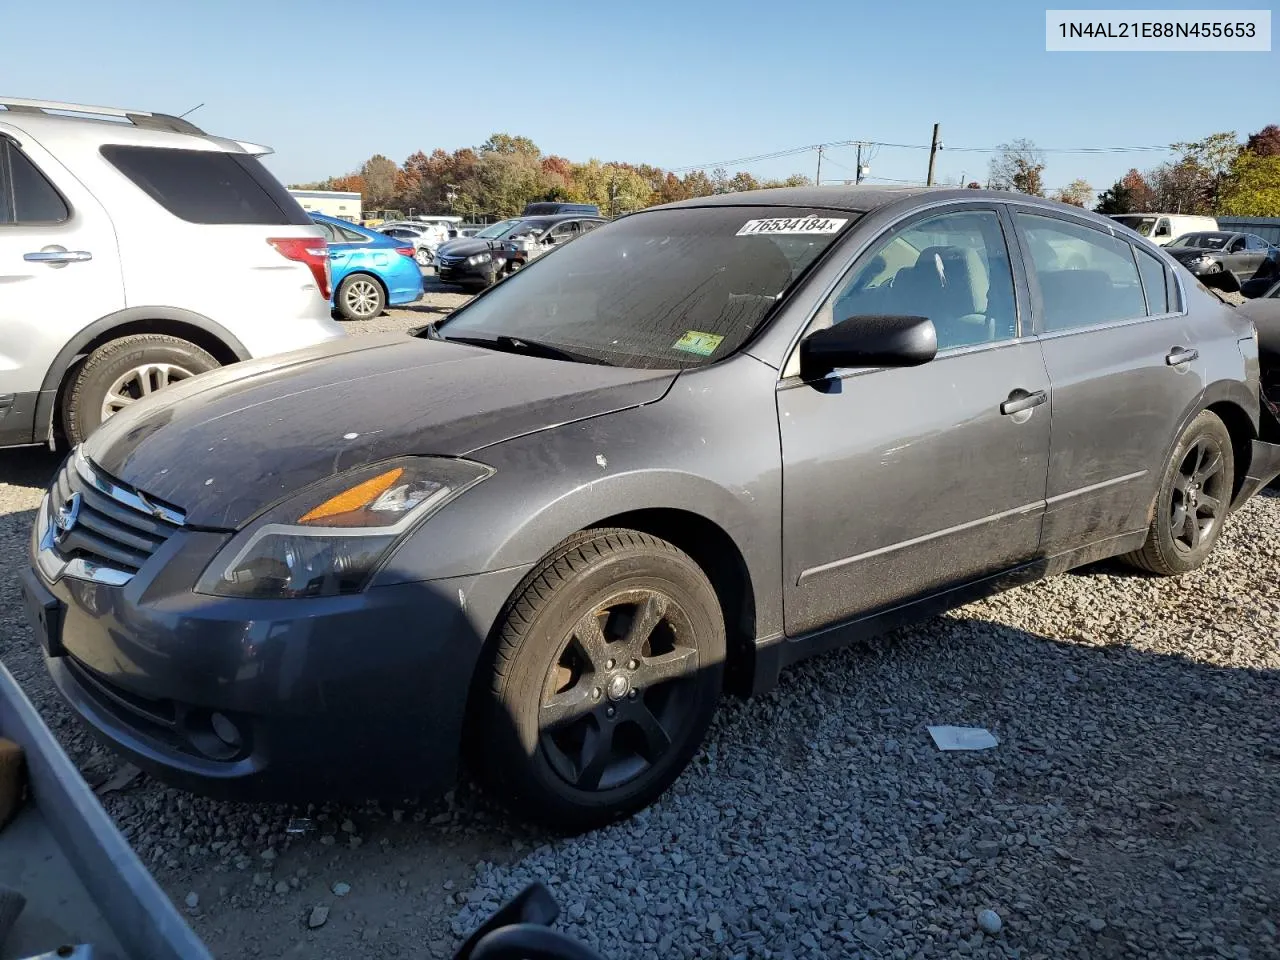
point(121, 372)
point(423, 256)
point(1193, 500)
point(360, 297)
point(605, 677)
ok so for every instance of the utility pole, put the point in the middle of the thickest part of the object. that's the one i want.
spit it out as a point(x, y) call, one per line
point(857, 176)
point(818, 180)
point(933, 152)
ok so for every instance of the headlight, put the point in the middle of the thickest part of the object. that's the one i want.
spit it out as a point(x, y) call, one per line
point(478, 259)
point(330, 538)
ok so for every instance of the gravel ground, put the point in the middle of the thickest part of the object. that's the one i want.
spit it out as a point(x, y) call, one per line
point(1131, 808)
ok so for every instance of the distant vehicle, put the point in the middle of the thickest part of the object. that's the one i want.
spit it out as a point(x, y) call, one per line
point(1244, 255)
point(505, 247)
point(680, 453)
point(424, 239)
point(548, 208)
point(1163, 228)
point(370, 271)
point(136, 251)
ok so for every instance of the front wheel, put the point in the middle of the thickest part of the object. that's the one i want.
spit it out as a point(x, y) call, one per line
point(360, 297)
point(606, 672)
point(1193, 500)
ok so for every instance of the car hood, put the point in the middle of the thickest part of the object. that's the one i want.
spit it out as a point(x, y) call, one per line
point(1191, 253)
point(466, 247)
point(223, 446)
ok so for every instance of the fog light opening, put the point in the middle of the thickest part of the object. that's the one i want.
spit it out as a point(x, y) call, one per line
point(225, 730)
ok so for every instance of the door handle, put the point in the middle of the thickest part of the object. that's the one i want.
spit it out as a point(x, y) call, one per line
point(1020, 400)
point(58, 256)
point(1179, 355)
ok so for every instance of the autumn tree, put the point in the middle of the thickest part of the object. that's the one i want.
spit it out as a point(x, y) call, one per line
point(1078, 193)
point(1203, 165)
point(1252, 187)
point(1018, 166)
point(379, 176)
point(1264, 143)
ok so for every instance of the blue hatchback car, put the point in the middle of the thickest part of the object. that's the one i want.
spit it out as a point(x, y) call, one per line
point(371, 271)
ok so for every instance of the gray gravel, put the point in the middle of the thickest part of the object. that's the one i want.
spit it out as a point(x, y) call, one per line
point(1132, 807)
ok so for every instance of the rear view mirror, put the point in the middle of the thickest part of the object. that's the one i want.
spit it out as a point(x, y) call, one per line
point(877, 341)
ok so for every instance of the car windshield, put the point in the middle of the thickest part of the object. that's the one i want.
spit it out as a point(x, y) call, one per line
point(667, 289)
point(1142, 225)
point(497, 231)
point(1206, 241)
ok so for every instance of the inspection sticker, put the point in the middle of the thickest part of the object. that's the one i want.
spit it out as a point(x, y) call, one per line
point(693, 341)
point(791, 225)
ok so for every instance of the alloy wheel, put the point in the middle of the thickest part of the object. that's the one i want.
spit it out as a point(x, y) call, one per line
point(363, 298)
point(618, 694)
point(1199, 495)
point(138, 382)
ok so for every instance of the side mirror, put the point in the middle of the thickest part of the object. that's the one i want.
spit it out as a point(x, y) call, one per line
point(876, 341)
point(548, 240)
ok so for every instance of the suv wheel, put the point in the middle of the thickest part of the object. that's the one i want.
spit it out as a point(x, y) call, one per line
point(606, 673)
point(360, 297)
point(123, 371)
point(1192, 502)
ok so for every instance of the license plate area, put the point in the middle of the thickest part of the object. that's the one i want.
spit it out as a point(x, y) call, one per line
point(44, 612)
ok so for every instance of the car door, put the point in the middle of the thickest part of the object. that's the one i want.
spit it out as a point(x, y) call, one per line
point(1236, 256)
point(1255, 254)
point(901, 483)
point(1121, 358)
point(59, 272)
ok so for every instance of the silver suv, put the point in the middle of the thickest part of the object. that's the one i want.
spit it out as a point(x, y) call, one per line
point(136, 250)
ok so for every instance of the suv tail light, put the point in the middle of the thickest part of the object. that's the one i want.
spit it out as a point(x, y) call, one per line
point(314, 252)
point(405, 252)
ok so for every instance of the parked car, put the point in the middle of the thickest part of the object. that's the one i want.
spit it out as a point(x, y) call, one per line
point(551, 208)
point(505, 247)
point(692, 447)
point(103, 301)
point(1264, 311)
point(1164, 228)
point(1243, 255)
point(370, 271)
point(423, 240)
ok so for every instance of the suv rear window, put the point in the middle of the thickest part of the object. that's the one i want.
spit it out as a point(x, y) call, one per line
point(208, 186)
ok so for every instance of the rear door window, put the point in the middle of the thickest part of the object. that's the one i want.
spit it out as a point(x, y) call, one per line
point(1086, 277)
point(26, 195)
point(208, 186)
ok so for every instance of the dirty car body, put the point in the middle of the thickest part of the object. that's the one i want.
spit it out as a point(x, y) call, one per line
point(682, 379)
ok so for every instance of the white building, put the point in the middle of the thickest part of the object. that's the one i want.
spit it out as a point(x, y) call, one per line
point(332, 203)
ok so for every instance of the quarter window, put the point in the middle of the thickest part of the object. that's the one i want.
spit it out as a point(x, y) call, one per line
point(1085, 276)
point(1153, 283)
point(952, 268)
point(349, 236)
point(26, 195)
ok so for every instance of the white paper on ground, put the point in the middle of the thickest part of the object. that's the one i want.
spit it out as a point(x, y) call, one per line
point(963, 738)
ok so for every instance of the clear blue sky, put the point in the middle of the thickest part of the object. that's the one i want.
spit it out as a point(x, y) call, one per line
point(329, 83)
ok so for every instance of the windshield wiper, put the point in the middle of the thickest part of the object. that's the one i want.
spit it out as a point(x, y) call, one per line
point(533, 348)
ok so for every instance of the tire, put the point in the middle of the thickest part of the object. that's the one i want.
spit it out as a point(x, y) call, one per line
point(1200, 472)
point(554, 684)
point(122, 371)
point(423, 257)
point(360, 297)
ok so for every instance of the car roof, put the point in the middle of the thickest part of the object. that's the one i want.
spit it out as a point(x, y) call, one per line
point(855, 199)
point(51, 127)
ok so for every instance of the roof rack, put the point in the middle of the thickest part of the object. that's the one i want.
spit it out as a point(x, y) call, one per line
point(139, 118)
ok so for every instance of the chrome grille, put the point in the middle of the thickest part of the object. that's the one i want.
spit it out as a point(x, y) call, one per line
point(106, 531)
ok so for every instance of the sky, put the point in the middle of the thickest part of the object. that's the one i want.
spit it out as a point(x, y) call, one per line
point(676, 84)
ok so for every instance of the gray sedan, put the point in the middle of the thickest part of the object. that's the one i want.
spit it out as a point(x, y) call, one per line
point(667, 460)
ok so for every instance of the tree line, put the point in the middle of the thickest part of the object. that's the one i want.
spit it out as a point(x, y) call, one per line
point(502, 175)
point(1217, 175)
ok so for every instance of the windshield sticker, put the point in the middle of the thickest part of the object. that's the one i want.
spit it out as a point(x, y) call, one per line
point(693, 341)
point(791, 225)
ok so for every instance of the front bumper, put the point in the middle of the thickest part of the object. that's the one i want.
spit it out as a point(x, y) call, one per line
point(342, 697)
point(464, 273)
